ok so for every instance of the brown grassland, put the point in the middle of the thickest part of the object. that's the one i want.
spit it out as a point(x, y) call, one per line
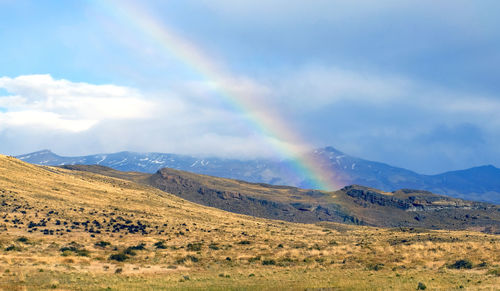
point(62, 229)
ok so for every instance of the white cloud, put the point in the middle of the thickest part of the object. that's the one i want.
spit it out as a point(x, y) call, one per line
point(41, 101)
point(40, 119)
point(81, 118)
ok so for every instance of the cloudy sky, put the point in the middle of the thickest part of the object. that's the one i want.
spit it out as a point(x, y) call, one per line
point(412, 83)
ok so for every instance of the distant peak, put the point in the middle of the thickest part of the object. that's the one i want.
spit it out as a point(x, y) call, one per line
point(490, 166)
point(38, 153)
point(486, 167)
point(43, 152)
point(329, 149)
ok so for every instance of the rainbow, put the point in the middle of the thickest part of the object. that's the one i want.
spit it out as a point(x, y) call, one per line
point(285, 140)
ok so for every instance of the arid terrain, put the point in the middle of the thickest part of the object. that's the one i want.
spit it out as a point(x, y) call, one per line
point(70, 229)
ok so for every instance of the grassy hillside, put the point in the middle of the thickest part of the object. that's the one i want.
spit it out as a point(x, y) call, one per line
point(352, 204)
point(67, 229)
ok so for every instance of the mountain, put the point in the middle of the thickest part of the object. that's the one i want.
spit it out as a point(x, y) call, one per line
point(480, 184)
point(73, 229)
point(252, 170)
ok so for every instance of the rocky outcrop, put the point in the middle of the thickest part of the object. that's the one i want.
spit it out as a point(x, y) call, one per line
point(376, 198)
point(169, 181)
point(411, 200)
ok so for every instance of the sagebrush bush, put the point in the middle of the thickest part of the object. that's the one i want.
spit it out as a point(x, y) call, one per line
point(22, 239)
point(461, 264)
point(120, 257)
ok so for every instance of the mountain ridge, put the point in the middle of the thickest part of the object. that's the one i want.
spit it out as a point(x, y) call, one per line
point(480, 183)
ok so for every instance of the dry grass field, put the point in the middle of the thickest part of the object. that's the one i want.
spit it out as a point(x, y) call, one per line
point(72, 230)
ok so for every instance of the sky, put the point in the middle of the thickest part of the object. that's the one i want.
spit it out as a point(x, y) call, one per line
point(415, 84)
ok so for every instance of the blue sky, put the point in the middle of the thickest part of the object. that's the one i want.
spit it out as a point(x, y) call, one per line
point(411, 83)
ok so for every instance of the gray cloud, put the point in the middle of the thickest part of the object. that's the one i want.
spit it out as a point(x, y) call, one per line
point(412, 83)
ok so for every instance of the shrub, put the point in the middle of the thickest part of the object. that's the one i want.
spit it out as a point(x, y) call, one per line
point(160, 245)
point(186, 258)
point(70, 249)
point(257, 258)
point(289, 260)
point(461, 264)
point(129, 251)
point(23, 239)
point(268, 262)
point(495, 272)
point(82, 253)
point(192, 258)
point(244, 242)
point(482, 265)
point(315, 247)
point(375, 267)
point(138, 247)
point(120, 257)
point(102, 244)
point(213, 246)
point(79, 252)
point(194, 247)
point(300, 245)
point(12, 248)
point(421, 286)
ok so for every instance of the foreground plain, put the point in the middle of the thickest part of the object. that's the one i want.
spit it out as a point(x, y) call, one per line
point(65, 229)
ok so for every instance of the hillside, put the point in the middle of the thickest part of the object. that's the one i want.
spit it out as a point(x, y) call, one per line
point(352, 204)
point(67, 229)
point(480, 183)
